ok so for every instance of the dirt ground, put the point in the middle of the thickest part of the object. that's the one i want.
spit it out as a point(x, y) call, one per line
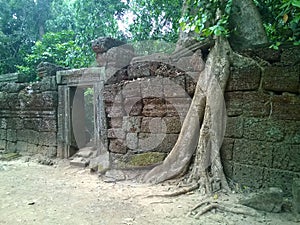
point(31, 193)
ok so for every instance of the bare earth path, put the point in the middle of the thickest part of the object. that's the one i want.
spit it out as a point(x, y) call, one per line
point(35, 194)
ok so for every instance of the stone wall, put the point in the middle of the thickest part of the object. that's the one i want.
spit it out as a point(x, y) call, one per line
point(28, 116)
point(145, 106)
point(262, 141)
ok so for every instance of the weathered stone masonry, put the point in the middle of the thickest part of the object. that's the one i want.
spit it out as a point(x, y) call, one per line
point(262, 141)
point(140, 108)
point(28, 116)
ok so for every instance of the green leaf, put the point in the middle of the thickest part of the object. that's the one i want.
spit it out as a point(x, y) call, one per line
point(296, 3)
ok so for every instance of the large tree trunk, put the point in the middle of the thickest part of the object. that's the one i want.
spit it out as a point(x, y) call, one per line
point(203, 129)
point(204, 126)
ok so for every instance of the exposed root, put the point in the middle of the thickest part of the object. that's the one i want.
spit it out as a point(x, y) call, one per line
point(177, 193)
point(232, 208)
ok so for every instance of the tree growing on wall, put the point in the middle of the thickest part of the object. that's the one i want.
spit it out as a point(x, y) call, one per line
point(228, 25)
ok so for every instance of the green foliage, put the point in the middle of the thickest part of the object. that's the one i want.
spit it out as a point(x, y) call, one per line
point(20, 22)
point(58, 48)
point(60, 31)
point(155, 19)
point(206, 18)
point(281, 20)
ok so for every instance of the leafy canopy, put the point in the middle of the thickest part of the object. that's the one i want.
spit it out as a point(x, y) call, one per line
point(60, 31)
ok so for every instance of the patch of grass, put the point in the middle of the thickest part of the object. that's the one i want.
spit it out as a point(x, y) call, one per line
point(146, 159)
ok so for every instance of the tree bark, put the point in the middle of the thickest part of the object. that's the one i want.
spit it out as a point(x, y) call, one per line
point(203, 129)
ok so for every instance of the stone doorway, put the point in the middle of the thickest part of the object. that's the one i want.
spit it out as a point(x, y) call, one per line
point(81, 117)
point(82, 112)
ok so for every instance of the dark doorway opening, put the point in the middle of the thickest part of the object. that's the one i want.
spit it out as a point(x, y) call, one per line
point(82, 110)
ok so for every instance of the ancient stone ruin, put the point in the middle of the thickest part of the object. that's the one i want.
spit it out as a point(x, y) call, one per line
point(128, 111)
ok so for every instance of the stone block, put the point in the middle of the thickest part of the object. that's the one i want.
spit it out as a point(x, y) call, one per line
point(150, 141)
point(131, 124)
point(115, 75)
point(11, 135)
point(234, 103)
point(133, 106)
point(140, 69)
point(175, 91)
point(286, 157)
point(2, 134)
point(234, 127)
point(264, 129)
point(267, 54)
point(3, 123)
point(118, 57)
point(114, 110)
point(279, 178)
point(255, 153)
point(47, 138)
point(49, 151)
point(79, 162)
point(2, 144)
point(154, 107)
point(33, 149)
point(11, 146)
point(177, 111)
point(47, 124)
point(296, 195)
point(177, 81)
point(48, 84)
point(115, 122)
point(132, 141)
point(185, 64)
point(227, 149)
point(50, 99)
point(117, 146)
point(4, 101)
point(166, 70)
point(131, 89)
point(33, 137)
point(173, 124)
point(152, 125)
point(256, 104)
point(152, 87)
point(244, 78)
point(191, 83)
point(286, 107)
point(116, 133)
point(24, 135)
point(177, 107)
point(21, 146)
point(112, 94)
point(281, 79)
point(292, 130)
point(12, 87)
point(14, 102)
point(270, 200)
point(250, 176)
point(290, 56)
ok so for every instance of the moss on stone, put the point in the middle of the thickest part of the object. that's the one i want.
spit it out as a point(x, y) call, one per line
point(146, 159)
point(9, 156)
